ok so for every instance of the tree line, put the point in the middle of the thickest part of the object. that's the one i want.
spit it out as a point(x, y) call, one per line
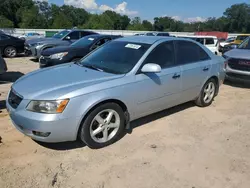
point(42, 15)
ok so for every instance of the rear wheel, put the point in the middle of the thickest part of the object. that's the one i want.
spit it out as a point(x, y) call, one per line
point(207, 94)
point(10, 51)
point(103, 126)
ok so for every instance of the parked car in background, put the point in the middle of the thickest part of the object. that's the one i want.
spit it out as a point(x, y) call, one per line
point(211, 42)
point(11, 46)
point(240, 38)
point(63, 38)
point(74, 52)
point(128, 78)
point(165, 34)
point(238, 62)
point(31, 35)
point(3, 66)
point(226, 42)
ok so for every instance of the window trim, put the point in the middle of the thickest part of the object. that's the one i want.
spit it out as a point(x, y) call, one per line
point(176, 41)
point(144, 61)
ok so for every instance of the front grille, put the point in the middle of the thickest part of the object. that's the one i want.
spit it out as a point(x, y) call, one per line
point(239, 64)
point(14, 100)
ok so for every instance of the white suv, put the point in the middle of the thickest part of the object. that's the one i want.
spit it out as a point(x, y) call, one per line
point(211, 42)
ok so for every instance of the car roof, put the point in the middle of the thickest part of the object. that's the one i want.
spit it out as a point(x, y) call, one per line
point(143, 39)
point(243, 35)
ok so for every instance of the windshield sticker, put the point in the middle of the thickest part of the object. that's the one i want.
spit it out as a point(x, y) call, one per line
point(133, 46)
point(91, 39)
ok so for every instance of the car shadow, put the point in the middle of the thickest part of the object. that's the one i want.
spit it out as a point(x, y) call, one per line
point(10, 77)
point(137, 123)
point(153, 117)
point(62, 146)
point(238, 84)
point(2, 104)
point(34, 60)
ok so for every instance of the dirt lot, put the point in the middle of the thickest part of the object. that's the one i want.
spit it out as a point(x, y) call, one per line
point(184, 147)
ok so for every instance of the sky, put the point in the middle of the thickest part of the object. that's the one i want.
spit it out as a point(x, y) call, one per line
point(185, 10)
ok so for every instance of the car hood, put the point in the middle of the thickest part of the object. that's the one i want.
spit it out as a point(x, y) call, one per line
point(36, 40)
point(238, 53)
point(60, 49)
point(56, 82)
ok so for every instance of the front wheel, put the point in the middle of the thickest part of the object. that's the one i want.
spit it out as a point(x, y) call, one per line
point(207, 94)
point(103, 126)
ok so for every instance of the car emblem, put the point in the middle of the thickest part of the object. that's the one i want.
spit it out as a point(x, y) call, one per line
point(244, 63)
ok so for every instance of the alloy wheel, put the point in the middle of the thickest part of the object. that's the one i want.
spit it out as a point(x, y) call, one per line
point(209, 92)
point(105, 126)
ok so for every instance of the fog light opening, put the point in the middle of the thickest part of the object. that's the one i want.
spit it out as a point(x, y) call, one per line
point(41, 134)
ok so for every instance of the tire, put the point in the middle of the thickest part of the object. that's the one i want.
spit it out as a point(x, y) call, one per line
point(92, 132)
point(211, 93)
point(10, 51)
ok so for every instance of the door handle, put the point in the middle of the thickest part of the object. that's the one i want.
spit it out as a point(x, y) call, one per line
point(176, 76)
point(205, 69)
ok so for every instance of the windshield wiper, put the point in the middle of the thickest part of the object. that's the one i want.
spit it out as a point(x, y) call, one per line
point(92, 67)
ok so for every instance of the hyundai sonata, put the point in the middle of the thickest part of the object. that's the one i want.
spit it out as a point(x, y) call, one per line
point(95, 98)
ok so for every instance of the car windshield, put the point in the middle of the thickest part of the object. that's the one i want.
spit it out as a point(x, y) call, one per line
point(230, 40)
point(241, 37)
point(84, 42)
point(117, 57)
point(61, 34)
point(245, 44)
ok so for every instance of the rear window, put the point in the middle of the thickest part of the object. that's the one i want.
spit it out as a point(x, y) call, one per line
point(189, 52)
point(209, 41)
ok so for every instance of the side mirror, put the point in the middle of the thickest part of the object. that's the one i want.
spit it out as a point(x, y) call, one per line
point(67, 38)
point(151, 68)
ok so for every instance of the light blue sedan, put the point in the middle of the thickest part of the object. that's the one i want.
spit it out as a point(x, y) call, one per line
point(95, 98)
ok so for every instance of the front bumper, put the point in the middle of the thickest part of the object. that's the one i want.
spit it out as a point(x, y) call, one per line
point(60, 129)
point(237, 75)
point(35, 51)
point(48, 62)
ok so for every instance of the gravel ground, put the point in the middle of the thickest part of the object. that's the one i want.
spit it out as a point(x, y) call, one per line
point(183, 147)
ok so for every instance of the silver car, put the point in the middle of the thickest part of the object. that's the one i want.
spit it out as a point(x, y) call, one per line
point(238, 62)
point(94, 99)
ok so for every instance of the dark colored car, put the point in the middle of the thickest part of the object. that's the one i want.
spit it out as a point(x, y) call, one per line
point(74, 52)
point(3, 66)
point(63, 38)
point(10, 46)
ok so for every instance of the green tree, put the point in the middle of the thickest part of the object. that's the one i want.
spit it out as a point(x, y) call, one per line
point(148, 26)
point(5, 23)
point(136, 24)
point(61, 21)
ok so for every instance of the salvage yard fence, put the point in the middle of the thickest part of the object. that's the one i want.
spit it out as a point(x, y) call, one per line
point(19, 32)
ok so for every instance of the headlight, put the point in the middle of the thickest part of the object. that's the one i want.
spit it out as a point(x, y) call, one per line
point(59, 55)
point(48, 107)
point(36, 44)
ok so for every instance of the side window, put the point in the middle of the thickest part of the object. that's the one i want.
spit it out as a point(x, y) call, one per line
point(200, 40)
point(162, 55)
point(3, 37)
point(209, 41)
point(189, 52)
point(85, 33)
point(74, 35)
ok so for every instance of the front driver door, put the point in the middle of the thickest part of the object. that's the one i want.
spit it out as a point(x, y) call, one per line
point(158, 91)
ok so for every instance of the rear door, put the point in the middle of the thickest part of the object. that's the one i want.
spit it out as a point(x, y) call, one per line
point(195, 66)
